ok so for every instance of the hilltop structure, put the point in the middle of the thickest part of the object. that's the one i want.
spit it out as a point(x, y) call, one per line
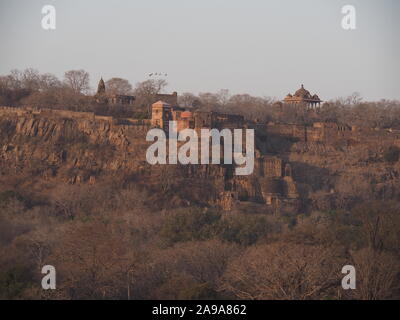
point(303, 97)
point(102, 96)
point(163, 112)
point(171, 99)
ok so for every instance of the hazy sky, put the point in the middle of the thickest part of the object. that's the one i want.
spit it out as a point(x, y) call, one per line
point(261, 47)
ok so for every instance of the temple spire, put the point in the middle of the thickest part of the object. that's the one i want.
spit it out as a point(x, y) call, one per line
point(101, 88)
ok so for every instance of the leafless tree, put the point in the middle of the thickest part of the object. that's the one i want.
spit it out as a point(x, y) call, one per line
point(146, 91)
point(187, 100)
point(118, 86)
point(49, 81)
point(376, 274)
point(284, 271)
point(223, 96)
point(380, 224)
point(77, 80)
point(92, 261)
point(31, 79)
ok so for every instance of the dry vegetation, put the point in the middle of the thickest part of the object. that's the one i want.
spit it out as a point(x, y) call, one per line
point(111, 244)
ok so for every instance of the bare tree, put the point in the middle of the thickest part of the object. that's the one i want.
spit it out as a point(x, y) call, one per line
point(77, 80)
point(380, 223)
point(92, 260)
point(284, 271)
point(31, 79)
point(49, 81)
point(223, 96)
point(118, 86)
point(209, 101)
point(204, 261)
point(187, 100)
point(146, 91)
point(28, 79)
point(15, 79)
point(150, 87)
point(376, 274)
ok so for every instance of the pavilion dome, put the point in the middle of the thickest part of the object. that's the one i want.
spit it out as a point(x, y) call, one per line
point(302, 93)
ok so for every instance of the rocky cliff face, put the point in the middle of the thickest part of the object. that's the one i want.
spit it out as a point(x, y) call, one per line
point(80, 148)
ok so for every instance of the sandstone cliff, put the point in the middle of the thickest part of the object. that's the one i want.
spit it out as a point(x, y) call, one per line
point(81, 147)
point(294, 169)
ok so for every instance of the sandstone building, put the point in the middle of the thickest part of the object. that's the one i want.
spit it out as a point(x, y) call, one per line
point(163, 112)
point(303, 97)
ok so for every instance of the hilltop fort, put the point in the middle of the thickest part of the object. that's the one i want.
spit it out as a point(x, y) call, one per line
point(292, 160)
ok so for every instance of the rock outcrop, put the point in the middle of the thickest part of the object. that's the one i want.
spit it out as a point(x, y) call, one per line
point(295, 165)
point(79, 147)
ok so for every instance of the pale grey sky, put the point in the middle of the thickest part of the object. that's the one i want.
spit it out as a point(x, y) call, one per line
point(261, 47)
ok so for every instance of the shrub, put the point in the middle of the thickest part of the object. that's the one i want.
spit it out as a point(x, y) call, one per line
point(392, 155)
point(204, 291)
point(9, 195)
point(243, 229)
point(14, 281)
point(189, 224)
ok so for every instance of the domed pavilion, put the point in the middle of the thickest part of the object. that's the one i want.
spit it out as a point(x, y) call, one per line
point(304, 97)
